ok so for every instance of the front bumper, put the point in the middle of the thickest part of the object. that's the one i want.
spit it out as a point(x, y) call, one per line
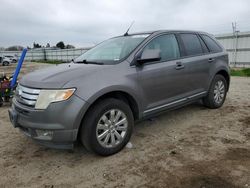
point(59, 123)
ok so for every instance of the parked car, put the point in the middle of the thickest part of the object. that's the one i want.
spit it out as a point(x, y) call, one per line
point(12, 59)
point(5, 61)
point(97, 98)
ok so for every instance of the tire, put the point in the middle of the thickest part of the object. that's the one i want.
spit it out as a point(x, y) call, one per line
point(211, 101)
point(97, 123)
point(5, 63)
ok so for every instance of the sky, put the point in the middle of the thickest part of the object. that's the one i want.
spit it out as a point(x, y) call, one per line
point(85, 23)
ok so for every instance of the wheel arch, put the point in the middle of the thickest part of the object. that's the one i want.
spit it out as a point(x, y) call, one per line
point(121, 95)
point(226, 75)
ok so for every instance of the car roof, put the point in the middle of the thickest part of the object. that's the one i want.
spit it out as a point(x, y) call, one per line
point(166, 31)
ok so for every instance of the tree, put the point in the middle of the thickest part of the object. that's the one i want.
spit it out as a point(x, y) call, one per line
point(69, 46)
point(36, 45)
point(47, 45)
point(60, 45)
point(14, 48)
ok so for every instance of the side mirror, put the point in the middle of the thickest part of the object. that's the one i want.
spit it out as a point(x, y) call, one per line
point(149, 55)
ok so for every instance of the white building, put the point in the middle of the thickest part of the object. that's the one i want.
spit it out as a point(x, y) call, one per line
point(238, 47)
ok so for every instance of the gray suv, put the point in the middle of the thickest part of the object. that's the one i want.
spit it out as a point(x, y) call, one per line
point(97, 97)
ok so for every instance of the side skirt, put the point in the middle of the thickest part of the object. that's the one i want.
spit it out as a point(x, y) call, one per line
point(173, 105)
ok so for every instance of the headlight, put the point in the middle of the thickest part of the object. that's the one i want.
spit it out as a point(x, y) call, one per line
point(48, 96)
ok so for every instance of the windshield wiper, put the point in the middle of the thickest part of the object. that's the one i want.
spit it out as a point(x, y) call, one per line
point(89, 62)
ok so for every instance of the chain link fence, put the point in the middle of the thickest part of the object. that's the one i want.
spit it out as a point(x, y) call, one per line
point(48, 54)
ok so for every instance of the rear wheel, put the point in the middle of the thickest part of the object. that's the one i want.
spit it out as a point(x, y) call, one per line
point(107, 127)
point(217, 92)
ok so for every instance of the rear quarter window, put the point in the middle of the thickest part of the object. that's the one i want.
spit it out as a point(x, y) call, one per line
point(211, 44)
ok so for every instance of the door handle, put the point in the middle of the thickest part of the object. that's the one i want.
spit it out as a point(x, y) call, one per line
point(179, 65)
point(210, 60)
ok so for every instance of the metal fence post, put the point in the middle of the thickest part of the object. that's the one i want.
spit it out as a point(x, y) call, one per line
point(44, 53)
point(235, 48)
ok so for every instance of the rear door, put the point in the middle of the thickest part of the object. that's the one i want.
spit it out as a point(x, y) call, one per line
point(196, 62)
point(215, 54)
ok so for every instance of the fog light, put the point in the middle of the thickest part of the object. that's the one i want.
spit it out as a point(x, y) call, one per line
point(44, 134)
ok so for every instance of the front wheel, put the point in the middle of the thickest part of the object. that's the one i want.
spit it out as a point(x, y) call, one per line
point(217, 92)
point(5, 63)
point(107, 127)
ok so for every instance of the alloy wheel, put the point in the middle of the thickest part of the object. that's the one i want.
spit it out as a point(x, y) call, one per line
point(219, 91)
point(112, 128)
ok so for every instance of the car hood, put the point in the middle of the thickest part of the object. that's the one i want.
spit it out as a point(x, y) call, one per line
point(57, 76)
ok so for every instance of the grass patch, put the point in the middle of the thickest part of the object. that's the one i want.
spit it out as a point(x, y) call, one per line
point(55, 62)
point(240, 72)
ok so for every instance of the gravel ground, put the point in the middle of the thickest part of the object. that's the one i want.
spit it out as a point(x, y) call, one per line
point(189, 147)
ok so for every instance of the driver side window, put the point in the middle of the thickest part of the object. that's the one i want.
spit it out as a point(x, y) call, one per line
point(168, 46)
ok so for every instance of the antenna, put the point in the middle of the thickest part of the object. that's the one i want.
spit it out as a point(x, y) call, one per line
point(234, 27)
point(126, 34)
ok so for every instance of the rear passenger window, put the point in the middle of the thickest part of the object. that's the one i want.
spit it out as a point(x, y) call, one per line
point(168, 46)
point(191, 44)
point(204, 47)
point(211, 44)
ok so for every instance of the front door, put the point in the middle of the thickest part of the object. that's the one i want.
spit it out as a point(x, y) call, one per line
point(163, 82)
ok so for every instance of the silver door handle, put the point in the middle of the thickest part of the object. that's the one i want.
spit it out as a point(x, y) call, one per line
point(179, 65)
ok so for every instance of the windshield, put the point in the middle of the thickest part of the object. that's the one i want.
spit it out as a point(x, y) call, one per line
point(112, 50)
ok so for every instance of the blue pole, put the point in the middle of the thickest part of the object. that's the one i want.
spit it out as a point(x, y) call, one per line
point(18, 68)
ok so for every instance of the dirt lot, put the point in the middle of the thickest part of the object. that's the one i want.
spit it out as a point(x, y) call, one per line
point(190, 147)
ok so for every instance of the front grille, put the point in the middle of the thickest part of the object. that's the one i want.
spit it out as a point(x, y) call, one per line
point(26, 96)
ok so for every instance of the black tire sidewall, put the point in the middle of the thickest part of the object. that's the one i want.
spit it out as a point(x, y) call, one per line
point(211, 91)
point(88, 131)
point(5, 63)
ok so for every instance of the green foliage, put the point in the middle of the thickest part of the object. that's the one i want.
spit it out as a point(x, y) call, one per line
point(69, 46)
point(240, 72)
point(60, 45)
point(14, 48)
point(36, 45)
